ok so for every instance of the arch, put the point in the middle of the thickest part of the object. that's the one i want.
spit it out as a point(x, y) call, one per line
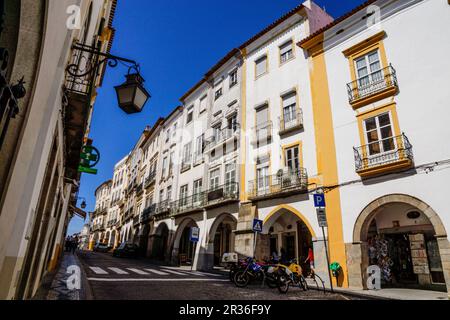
point(217, 223)
point(185, 223)
point(363, 221)
point(274, 212)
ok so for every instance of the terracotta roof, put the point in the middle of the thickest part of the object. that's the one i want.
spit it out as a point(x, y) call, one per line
point(335, 22)
point(235, 51)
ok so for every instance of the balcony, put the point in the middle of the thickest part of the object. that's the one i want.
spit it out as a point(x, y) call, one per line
point(375, 86)
point(127, 215)
point(112, 223)
point(222, 194)
point(186, 164)
point(291, 123)
point(283, 184)
point(220, 138)
point(262, 134)
point(140, 189)
point(162, 210)
point(148, 213)
point(150, 180)
point(136, 220)
point(189, 204)
point(98, 227)
point(384, 156)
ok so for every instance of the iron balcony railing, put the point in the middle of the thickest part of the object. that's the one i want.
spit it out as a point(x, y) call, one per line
point(279, 184)
point(186, 164)
point(290, 122)
point(383, 152)
point(82, 70)
point(139, 188)
point(148, 213)
point(220, 137)
point(98, 227)
point(373, 83)
point(163, 207)
point(136, 220)
point(211, 197)
point(112, 223)
point(262, 133)
point(150, 179)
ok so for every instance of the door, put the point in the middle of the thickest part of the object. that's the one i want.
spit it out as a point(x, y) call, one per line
point(381, 144)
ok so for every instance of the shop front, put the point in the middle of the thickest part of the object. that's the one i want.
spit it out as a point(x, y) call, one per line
point(403, 242)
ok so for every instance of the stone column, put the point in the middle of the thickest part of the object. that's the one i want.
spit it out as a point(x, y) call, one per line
point(244, 235)
point(444, 250)
point(354, 265)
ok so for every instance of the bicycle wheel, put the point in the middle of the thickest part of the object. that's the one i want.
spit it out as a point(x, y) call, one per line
point(283, 282)
point(320, 284)
point(241, 279)
point(302, 283)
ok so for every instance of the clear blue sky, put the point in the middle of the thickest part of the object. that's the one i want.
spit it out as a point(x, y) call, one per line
point(175, 42)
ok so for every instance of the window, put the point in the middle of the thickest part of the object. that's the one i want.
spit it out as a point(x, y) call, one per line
point(216, 131)
point(292, 156)
point(164, 167)
point(233, 78)
point(175, 129)
point(198, 185)
point(218, 94)
point(203, 102)
point(184, 195)
point(161, 196)
point(200, 146)
point(368, 69)
point(262, 124)
point(171, 159)
point(260, 66)
point(169, 193)
point(263, 178)
point(232, 123)
point(190, 115)
point(379, 134)
point(286, 52)
point(214, 179)
point(290, 109)
point(230, 177)
point(187, 153)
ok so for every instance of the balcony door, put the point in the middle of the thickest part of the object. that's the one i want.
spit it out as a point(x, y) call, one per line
point(381, 145)
point(184, 196)
point(230, 178)
point(263, 180)
point(290, 110)
point(214, 179)
point(262, 124)
point(369, 72)
point(198, 186)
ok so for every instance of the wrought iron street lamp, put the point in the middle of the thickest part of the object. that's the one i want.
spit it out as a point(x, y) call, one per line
point(132, 95)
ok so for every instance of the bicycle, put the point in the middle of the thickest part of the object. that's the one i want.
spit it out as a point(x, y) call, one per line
point(290, 275)
point(320, 284)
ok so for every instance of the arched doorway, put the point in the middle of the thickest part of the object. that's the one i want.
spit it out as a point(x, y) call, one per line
point(143, 238)
point(403, 236)
point(112, 241)
point(160, 239)
point(183, 249)
point(221, 237)
point(286, 234)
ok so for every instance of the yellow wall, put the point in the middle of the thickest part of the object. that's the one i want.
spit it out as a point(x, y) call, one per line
point(326, 155)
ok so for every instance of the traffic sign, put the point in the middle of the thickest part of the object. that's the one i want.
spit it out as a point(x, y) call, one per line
point(258, 225)
point(319, 201)
point(195, 234)
point(322, 218)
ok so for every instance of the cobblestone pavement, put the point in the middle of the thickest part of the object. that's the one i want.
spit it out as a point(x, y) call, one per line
point(123, 279)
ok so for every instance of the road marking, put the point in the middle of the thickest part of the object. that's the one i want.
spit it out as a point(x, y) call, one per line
point(98, 270)
point(175, 272)
point(195, 273)
point(138, 271)
point(210, 274)
point(157, 272)
point(118, 271)
point(158, 280)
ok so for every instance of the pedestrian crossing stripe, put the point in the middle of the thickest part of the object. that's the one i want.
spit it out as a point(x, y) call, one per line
point(160, 273)
point(118, 271)
point(138, 271)
point(175, 272)
point(98, 270)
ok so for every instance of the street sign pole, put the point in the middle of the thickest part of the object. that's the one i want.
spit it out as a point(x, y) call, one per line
point(257, 228)
point(193, 255)
point(328, 258)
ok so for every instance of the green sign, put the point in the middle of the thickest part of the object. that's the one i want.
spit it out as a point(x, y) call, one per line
point(90, 157)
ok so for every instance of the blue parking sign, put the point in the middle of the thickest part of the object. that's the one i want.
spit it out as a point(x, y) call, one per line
point(258, 226)
point(195, 234)
point(319, 201)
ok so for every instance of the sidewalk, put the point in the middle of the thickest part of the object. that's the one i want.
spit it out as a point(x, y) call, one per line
point(392, 294)
point(54, 286)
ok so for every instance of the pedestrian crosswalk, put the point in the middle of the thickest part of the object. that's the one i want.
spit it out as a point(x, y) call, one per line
point(162, 271)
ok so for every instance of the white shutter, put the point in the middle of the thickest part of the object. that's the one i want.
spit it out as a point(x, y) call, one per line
point(286, 47)
point(289, 99)
point(261, 66)
point(262, 116)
